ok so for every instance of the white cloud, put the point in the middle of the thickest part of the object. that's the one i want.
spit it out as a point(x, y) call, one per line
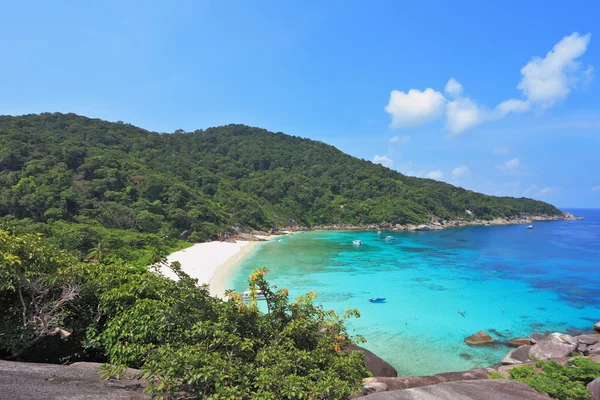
point(544, 82)
point(596, 189)
point(460, 171)
point(400, 139)
point(453, 88)
point(512, 164)
point(414, 107)
point(383, 160)
point(437, 174)
point(463, 114)
point(545, 191)
point(501, 150)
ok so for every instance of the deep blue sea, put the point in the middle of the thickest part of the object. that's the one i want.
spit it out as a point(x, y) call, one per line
point(507, 280)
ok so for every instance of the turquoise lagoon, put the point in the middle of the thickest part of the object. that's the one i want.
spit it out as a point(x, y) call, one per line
point(507, 280)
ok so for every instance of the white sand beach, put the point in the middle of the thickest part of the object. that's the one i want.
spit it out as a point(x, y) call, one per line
point(211, 262)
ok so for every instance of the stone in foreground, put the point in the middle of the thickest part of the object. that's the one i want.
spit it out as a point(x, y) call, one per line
point(517, 356)
point(464, 390)
point(375, 365)
point(479, 339)
point(597, 326)
point(594, 388)
point(28, 381)
point(588, 339)
point(555, 345)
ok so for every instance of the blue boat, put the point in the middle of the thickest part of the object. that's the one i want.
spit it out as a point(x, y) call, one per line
point(377, 299)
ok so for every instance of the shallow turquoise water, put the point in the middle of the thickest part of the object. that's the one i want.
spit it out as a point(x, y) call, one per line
point(504, 278)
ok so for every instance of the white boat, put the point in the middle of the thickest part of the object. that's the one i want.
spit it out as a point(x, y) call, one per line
point(389, 238)
point(247, 295)
point(357, 243)
point(379, 232)
point(530, 227)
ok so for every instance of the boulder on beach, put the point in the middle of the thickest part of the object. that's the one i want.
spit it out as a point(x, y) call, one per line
point(597, 326)
point(517, 356)
point(479, 339)
point(516, 342)
point(423, 228)
point(555, 345)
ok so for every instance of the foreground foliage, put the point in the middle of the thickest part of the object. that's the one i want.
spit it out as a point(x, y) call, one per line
point(560, 382)
point(56, 308)
point(82, 181)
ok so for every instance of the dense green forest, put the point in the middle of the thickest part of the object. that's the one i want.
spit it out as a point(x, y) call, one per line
point(85, 182)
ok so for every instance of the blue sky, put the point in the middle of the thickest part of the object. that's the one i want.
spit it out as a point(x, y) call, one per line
point(520, 117)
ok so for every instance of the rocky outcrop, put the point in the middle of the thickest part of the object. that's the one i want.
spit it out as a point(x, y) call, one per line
point(570, 217)
point(597, 326)
point(479, 339)
point(592, 350)
point(27, 381)
point(407, 382)
point(465, 390)
point(594, 388)
point(423, 227)
point(519, 342)
point(555, 345)
point(588, 339)
point(375, 365)
point(517, 356)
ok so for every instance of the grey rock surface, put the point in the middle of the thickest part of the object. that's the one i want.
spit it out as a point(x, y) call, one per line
point(555, 345)
point(517, 356)
point(594, 388)
point(28, 381)
point(588, 339)
point(464, 390)
point(407, 382)
point(375, 365)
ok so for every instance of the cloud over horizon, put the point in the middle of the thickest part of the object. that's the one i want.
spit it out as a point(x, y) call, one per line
point(545, 82)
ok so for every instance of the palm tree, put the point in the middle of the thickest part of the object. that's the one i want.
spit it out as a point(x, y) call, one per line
point(96, 254)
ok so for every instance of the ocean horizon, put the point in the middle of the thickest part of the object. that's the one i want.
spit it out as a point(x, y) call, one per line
point(441, 286)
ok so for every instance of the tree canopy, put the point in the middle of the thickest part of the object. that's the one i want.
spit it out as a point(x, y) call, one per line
point(80, 180)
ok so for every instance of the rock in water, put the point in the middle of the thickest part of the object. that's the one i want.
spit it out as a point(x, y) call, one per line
point(479, 339)
point(555, 345)
point(517, 356)
point(519, 342)
point(375, 365)
point(597, 326)
point(594, 388)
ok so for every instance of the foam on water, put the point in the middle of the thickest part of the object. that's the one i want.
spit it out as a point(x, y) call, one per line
point(506, 280)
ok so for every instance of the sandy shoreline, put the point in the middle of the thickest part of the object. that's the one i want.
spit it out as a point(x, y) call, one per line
point(211, 263)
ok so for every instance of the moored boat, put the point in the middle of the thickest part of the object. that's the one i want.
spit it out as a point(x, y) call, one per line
point(389, 238)
point(357, 243)
point(530, 227)
point(377, 299)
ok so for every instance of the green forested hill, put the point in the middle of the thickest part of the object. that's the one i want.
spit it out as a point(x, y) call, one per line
point(80, 179)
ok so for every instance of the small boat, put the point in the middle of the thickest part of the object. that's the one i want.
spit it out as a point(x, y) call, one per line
point(389, 238)
point(377, 299)
point(530, 227)
point(247, 295)
point(357, 243)
point(379, 232)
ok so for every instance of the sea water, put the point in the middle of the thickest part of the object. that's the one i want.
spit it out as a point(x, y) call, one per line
point(442, 286)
